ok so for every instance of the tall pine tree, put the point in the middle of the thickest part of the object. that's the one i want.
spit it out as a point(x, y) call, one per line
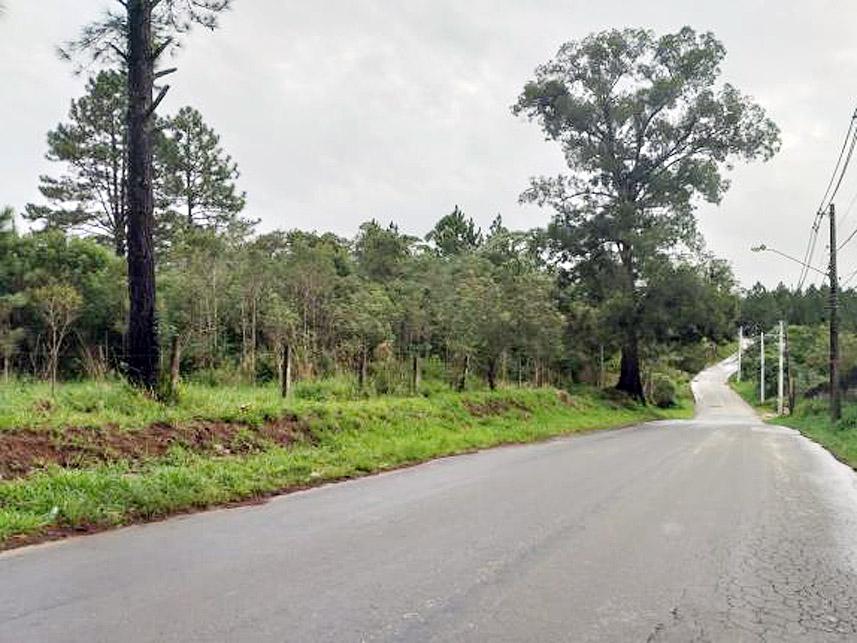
point(138, 34)
point(90, 196)
point(198, 176)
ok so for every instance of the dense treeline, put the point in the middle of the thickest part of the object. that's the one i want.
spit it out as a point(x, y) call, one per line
point(464, 304)
point(763, 308)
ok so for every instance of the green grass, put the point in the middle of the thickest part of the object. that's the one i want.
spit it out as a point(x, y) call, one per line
point(350, 438)
point(749, 390)
point(813, 420)
point(725, 350)
point(115, 403)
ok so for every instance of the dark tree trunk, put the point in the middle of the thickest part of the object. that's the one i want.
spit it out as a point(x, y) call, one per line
point(142, 339)
point(415, 373)
point(462, 383)
point(188, 180)
point(629, 375)
point(117, 192)
point(361, 369)
point(491, 374)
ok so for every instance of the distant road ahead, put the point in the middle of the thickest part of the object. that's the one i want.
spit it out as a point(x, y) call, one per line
point(717, 529)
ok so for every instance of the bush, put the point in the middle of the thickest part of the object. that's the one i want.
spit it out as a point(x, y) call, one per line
point(664, 393)
point(388, 378)
point(848, 419)
point(429, 388)
point(227, 374)
point(617, 398)
point(325, 390)
point(692, 359)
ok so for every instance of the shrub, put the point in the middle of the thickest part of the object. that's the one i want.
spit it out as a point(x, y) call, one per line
point(388, 379)
point(663, 392)
point(848, 419)
point(324, 390)
point(692, 359)
point(618, 399)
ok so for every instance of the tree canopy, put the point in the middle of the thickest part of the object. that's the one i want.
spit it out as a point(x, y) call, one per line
point(455, 234)
point(197, 176)
point(90, 197)
point(646, 131)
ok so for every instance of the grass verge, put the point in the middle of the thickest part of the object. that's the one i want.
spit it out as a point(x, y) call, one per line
point(343, 439)
point(812, 419)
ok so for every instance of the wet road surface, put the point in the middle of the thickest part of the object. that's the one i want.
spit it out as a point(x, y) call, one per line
point(715, 529)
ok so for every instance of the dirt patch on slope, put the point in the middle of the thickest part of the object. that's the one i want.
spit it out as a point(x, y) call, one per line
point(564, 398)
point(25, 450)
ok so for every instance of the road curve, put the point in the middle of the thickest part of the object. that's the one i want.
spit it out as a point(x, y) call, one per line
point(715, 529)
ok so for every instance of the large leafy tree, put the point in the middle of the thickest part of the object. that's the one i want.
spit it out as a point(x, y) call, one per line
point(89, 197)
point(198, 176)
point(646, 130)
point(138, 34)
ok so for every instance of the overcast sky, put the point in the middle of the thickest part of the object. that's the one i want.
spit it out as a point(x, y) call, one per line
point(339, 111)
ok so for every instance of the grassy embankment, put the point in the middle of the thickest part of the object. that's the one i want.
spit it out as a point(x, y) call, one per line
point(725, 350)
point(95, 455)
point(813, 420)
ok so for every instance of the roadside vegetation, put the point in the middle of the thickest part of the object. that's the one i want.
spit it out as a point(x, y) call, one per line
point(101, 455)
point(813, 420)
point(807, 367)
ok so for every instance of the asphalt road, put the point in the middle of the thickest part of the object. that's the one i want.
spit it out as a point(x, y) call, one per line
point(716, 529)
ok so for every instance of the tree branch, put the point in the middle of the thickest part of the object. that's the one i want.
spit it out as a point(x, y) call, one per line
point(157, 102)
point(118, 51)
point(165, 72)
point(160, 49)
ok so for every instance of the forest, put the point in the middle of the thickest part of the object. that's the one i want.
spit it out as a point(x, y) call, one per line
point(462, 304)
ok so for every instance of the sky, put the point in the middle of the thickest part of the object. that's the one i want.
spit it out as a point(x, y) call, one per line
point(341, 111)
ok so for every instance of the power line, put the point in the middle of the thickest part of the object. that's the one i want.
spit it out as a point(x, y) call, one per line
point(847, 161)
point(809, 255)
point(850, 137)
point(850, 236)
point(848, 279)
point(849, 210)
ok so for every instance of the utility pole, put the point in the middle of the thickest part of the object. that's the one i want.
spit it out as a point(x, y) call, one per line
point(740, 348)
point(835, 402)
point(790, 383)
point(780, 377)
point(762, 366)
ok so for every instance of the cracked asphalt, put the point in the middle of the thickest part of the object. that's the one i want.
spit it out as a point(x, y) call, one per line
point(715, 529)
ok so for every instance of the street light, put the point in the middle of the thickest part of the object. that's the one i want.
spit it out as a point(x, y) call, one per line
point(764, 248)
